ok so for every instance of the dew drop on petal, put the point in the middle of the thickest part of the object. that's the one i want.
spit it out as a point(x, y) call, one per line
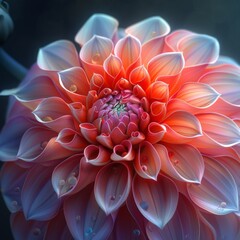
point(62, 182)
point(36, 231)
point(89, 231)
point(113, 197)
point(78, 218)
point(144, 168)
point(144, 205)
point(72, 180)
point(43, 144)
point(14, 205)
point(17, 189)
point(136, 232)
point(96, 58)
point(223, 205)
point(73, 88)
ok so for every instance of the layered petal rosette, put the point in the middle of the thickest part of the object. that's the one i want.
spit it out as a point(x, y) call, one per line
point(135, 137)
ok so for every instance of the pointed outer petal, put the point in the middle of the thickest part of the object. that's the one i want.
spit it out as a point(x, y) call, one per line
point(149, 28)
point(65, 175)
point(166, 64)
point(112, 186)
point(117, 136)
point(113, 66)
point(227, 84)
point(23, 229)
point(105, 140)
point(93, 54)
point(158, 111)
point(98, 24)
point(123, 84)
point(183, 124)
point(96, 155)
point(226, 60)
point(58, 56)
point(206, 229)
point(39, 200)
point(138, 91)
point(199, 49)
point(136, 137)
point(71, 140)
point(74, 81)
point(85, 219)
point(226, 227)
point(12, 178)
point(221, 129)
point(182, 162)
point(10, 137)
point(172, 40)
point(58, 229)
point(158, 91)
point(217, 192)
point(78, 111)
point(140, 76)
point(147, 162)
point(89, 132)
point(128, 49)
point(156, 200)
point(151, 49)
point(125, 227)
point(198, 95)
point(123, 152)
point(96, 82)
point(39, 144)
point(155, 132)
point(183, 225)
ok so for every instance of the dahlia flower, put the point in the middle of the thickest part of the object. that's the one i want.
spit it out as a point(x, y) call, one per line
point(135, 137)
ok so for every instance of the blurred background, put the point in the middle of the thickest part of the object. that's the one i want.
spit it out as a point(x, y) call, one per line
point(40, 22)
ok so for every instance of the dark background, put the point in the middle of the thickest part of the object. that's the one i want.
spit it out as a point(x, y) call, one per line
point(39, 22)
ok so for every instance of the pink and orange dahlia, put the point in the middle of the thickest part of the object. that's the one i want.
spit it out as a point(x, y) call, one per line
point(135, 137)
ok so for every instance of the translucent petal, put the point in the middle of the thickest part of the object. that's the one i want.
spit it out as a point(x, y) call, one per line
point(220, 128)
point(217, 192)
point(156, 200)
point(112, 186)
point(98, 24)
point(58, 56)
point(85, 218)
point(112, 66)
point(149, 28)
point(39, 200)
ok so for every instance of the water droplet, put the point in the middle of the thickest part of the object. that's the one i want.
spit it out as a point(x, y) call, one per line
point(136, 232)
point(73, 88)
point(36, 231)
point(47, 119)
point(88, 231)
point(78, 218)
point(62, 182)
point(17, 189)
point(14, 204)
point(223, 204)
point(144, 168)
point(43, 144)
point(144, 205)
point(113, 197)
point(96, 58)
point(175, 161)
point(72, 180)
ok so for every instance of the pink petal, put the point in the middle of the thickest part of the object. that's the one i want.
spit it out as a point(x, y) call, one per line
point(23, 229)
point(85, 219)
point(206, 230)
point(123, 152)
point(39, 201)
point(96, 155)
point(227, 84)
point(156, 200)
point(78, 111)
point(199, 49)
point(58, 56)
point(198, 95)
point(96, 82)
point(220, 128)
point(12, 178)
point(158, 91)
point(128, 50)
point(182, 162)
point(112, 186)
point(217, 192)
point(105, 140)
point(149, 28)
point(147, 162)
point(89, 132)
point(117, 135)
point(98, 24)
point(183, 124)
point(166, 64)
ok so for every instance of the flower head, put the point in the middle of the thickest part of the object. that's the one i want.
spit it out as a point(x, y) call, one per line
point(135, 137)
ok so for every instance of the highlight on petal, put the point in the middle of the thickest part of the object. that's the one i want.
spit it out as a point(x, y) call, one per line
point(199, 49)
point(166, 64)
point(149, 28)
point(85, 219)
point(112, 66)
point(227, 84)
point(158, 91)
point(58, 56)
point(39, 200)
point(123, 152)
point(217, 193)
point(147, 162)
point(155, 132)
point(220, 128)
point(198, 94)
point(156, 200)
point(98, 24)
point(12, 178)
point(112, 186)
